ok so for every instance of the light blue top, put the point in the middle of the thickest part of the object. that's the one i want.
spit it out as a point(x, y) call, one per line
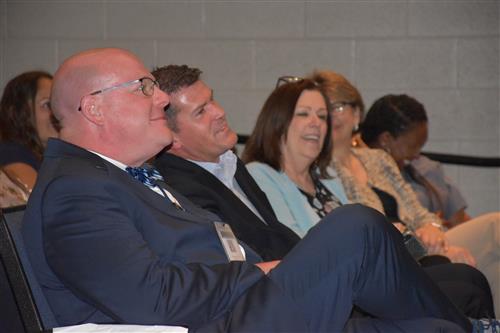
point(289, 204)
point(450, 199)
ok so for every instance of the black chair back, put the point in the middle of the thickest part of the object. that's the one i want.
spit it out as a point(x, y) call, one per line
point(10, 315)
point(32, 307)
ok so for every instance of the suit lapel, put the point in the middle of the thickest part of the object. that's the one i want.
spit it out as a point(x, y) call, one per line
point(158, 202)
point(202, 175)
point(62, 149)
point(244, 179)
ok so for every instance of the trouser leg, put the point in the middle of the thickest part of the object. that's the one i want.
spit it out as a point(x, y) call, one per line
point(354, 256)
point(421, 325)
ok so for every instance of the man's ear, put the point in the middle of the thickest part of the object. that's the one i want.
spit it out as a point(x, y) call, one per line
point(90, 109)
point(176, 142)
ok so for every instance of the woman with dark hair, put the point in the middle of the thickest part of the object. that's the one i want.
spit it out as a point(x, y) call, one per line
point(25, 126)
point(288, 155)
point(398, 124)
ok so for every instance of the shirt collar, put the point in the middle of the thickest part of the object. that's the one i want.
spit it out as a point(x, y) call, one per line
point(224, 170)
point(110, 160)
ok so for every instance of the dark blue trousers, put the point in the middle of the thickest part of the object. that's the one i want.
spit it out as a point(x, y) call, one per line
point(355, 257)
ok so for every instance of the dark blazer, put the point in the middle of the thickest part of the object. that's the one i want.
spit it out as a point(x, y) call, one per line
point(271, 241)
point(105, 248)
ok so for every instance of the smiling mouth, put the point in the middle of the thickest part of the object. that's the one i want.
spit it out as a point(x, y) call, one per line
point(222, 128)
point(311, 137)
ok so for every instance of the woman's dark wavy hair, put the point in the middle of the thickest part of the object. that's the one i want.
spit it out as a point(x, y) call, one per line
point(17, 111)
point(395, 114)
point(272, 125)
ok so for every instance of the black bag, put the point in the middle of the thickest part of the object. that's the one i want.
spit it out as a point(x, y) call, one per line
point(413, 245)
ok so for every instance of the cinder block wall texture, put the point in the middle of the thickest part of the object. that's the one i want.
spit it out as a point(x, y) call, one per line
point(445, 53)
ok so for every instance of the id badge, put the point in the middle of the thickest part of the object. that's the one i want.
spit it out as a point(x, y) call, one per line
point(229, 242)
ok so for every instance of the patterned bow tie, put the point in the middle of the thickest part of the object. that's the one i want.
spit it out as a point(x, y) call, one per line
point(147, 176)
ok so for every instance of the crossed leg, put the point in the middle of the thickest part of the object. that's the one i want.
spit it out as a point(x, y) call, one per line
point(355, 257)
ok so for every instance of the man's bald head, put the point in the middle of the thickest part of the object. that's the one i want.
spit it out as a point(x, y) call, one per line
point(100, 100)
point(82, 74)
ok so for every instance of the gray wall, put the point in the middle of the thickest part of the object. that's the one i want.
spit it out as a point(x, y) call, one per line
point(445, 53)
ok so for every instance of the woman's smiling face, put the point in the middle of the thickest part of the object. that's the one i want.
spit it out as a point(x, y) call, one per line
point(306, 133)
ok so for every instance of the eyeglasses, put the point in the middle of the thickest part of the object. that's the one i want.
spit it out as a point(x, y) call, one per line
point(288, 79)
point(147, 87)
point(340, 107)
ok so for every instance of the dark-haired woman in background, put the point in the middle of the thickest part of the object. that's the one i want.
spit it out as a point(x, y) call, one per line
point(25, 126)
point(398, 124)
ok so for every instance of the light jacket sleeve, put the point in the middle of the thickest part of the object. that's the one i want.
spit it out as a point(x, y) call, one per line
point(289, 205)
point(449, 194)
point(409, 206)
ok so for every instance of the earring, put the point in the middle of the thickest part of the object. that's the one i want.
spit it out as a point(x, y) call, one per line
point(355, 128)
point(386, 149)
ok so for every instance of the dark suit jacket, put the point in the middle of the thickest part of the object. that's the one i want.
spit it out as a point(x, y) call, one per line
point(271, 241)
point(105, 248)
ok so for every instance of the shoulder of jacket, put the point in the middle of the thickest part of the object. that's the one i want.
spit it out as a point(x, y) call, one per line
point(423, 164)
point(260, 167)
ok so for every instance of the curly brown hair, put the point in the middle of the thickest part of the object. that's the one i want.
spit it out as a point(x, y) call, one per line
point(17, 111)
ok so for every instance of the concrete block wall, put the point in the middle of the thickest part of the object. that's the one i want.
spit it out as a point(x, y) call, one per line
point(445, 53)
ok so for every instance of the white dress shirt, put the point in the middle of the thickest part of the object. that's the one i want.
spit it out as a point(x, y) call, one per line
point(161, 191)
point(224, 170)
